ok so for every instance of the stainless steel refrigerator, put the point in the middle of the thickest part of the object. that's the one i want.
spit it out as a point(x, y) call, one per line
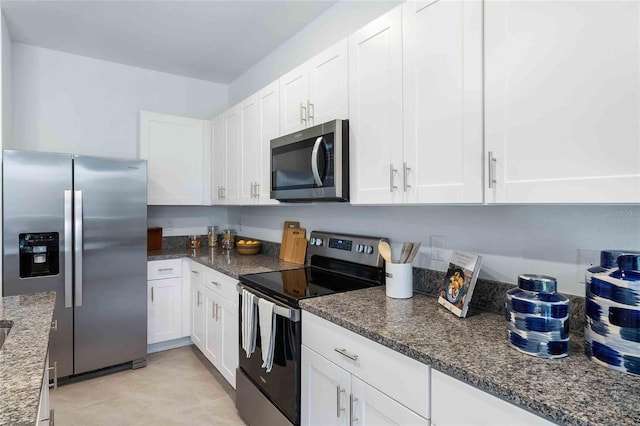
point(77, 225)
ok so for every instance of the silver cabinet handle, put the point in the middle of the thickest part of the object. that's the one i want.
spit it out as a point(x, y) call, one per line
point(78, 246)
point(253, 194)
point(217, 284)
point(343, 351)
point(405, 176)
point(52, 417)
point(339, 390)
point(165, 269)
point(152, 293)
point(492, 170)
point(195, 272)
point(314, 161)
point(55, 375)
point(54, 325)
point(392, 187)
point(68, 247)
point(303, 113)
point(199, 298)
point(257, 190)
point(352, 418)
point(224, 192)
point(311, 115)
point(213, 310)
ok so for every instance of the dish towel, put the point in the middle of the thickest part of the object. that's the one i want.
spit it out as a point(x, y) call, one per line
point(267, 332)
point(249, 322)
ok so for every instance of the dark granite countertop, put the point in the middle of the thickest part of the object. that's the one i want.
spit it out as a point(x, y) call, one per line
point(572, 390)
point(226, 261)
point(23, 355)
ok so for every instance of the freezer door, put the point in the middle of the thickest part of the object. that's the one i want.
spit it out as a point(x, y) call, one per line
point(36, 192)
point(110, 214)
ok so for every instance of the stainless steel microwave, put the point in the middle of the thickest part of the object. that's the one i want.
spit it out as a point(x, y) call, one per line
point(312, 164)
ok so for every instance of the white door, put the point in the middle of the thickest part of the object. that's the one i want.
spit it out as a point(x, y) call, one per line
point(164, 307)
point(212, 333)
point(375, 111)
point(232, 123)
point(250, 150)
point(561, 100)
point(329, 85)
point(325, 391)
point(443, 101)
point(372, 407)
point(269, 129)
point(228, 360)
point(294, 96)
point(176, 149)
point(197, 313)
point(219, 159)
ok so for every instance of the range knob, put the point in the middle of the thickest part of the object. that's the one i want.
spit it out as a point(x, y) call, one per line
point(368, 249)
point(359, 248)
point(312, 241)
point(318, 242)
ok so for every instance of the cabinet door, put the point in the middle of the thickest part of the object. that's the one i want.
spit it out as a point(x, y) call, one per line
point(369, 406)
point(561, 101)
point(44, 412)
point(329, 85)
point(219, 159)
point(197, 311)
point(450, 395)
point(227, 313)
point(443, 101)
point(269, 129)
point(212, 333)
point(375, 110)
point(177, 151)
point(164, 307)
point(325, 391)
point(232, 123)
point(294, 94)
point(250, 149)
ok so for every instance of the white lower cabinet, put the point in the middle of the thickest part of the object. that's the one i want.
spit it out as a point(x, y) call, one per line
point(214, 327)
point(348, 379)
point(165, 304)
point(45, 412)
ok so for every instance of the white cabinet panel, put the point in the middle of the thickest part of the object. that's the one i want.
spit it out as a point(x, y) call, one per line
point(164, 321)
point(442, 71)
point(160, 269)
point(269, 129)
point(197, 306)
point(561, 99)
point(212, 332)
point(228, 356)
point(219, 160)
point(177, 151)
point(231, 190)
point(329, 85)
point(250, 149)
point(294, 94)
point(375, 111)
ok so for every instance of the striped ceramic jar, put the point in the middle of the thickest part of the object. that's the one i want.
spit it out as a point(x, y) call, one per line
point(537, 317)
point(612, 310)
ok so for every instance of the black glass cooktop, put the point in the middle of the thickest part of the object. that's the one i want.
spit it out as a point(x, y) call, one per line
point(292, 285)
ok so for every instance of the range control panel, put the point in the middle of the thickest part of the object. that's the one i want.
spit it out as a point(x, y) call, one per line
point(352, 248)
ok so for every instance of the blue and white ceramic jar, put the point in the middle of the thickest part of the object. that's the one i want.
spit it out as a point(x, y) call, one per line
point(538, 317)
point(612, 309)
point(608, 262)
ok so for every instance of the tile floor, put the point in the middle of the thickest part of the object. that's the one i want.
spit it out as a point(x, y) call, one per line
point(177, 387)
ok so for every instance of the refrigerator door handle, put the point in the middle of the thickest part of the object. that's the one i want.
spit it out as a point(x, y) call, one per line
point(78, 246)
point(68, 255)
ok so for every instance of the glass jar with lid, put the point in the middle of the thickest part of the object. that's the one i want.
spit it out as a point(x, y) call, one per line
point(212, 236)
point(228, 241)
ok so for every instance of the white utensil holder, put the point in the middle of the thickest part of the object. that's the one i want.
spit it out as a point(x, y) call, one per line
point(399, 280)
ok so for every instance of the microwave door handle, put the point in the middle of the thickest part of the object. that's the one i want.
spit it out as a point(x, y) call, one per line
point(314, 161)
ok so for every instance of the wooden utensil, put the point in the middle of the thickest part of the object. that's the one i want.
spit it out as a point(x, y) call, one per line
point(283, 246)
point(404, 254)
point(414, 252)
point(385, 250)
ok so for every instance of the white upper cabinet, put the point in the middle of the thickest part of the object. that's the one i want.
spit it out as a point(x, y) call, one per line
point(442, 79)
point(316, 91)
point(231, 189)
point(375, 111)
point(269, 99)
point(250, 150)
point(219, 160)
point(177, 151)
point(562, 101)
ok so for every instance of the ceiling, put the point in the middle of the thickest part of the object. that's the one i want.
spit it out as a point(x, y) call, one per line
point(209, 40)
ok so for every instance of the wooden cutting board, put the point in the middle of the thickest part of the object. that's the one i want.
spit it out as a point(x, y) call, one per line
point(295, 245)
point(285, 243)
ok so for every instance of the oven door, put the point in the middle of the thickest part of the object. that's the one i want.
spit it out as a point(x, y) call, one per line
point(308, 165)
point(281, 386)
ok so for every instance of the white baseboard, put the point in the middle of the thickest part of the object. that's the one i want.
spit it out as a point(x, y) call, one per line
point(169, 344)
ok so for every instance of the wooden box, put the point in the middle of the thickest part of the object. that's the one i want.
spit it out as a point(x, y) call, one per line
point(154, 239)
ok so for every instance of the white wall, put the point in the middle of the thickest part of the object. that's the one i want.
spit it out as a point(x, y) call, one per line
point(512, 239)
point(337, 22)
point(186, 220)
point(71, 103)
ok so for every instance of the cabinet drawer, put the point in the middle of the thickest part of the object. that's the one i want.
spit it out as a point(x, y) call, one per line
point(222, 284)
point(377, 365)
point(159, 269)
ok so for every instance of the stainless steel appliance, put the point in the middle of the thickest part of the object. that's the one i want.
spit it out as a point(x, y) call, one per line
point(312, 164)
point(338, 262)
point(77, 225)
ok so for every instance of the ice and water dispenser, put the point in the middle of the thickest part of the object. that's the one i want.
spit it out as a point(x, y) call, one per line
point(39, 254)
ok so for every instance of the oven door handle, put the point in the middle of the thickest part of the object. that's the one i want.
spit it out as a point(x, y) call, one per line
point(314, 161)
point(279, 309)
